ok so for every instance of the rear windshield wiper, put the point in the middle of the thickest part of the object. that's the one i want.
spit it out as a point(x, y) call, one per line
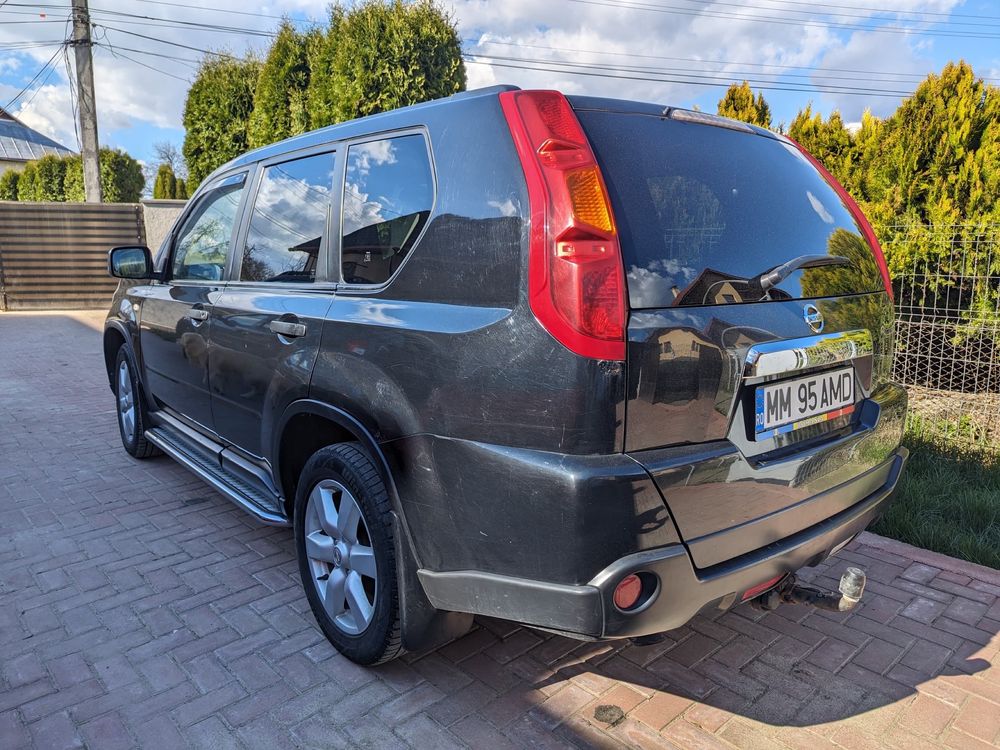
point(770, 279)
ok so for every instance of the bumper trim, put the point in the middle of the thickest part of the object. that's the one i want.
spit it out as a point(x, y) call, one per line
point(587, 610)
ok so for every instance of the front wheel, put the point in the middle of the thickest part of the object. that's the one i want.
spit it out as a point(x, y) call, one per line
point(131, 409)
point(346, 551)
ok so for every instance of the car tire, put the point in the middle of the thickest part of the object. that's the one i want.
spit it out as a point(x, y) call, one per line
point(346, 550)
point(131, 408)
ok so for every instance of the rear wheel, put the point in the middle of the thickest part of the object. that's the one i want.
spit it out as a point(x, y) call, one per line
point(346, 551)
point(131, 410)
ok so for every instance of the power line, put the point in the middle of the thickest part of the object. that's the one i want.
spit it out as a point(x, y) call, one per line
point(633, 55)
point(29, 45)
point(720, 83)
point(165, 41)
point(160, 55)
point(719, 76)
point(115, 52)
point(124, 17)
point(226, 11)
point(946, 14)
point(27, 86)
point(811, 10)
point(73, 102)
point(40, 86)
point(675, 10)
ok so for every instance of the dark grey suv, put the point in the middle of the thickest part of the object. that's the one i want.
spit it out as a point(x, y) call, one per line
point(590, 365)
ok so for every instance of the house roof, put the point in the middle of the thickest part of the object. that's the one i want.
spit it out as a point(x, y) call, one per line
point(18, 142)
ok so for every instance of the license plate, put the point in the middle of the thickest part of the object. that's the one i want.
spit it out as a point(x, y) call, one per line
point(793, 404)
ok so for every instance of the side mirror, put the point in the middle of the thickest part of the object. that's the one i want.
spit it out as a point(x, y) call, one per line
point(131, 262)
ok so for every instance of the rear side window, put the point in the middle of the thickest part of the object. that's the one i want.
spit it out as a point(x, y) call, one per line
point(388, 195)
point(701, 210)
point(289, 221)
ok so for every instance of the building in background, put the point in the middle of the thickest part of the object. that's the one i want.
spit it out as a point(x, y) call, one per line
point(19, 144)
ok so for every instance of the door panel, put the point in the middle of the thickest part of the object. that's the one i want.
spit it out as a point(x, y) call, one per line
point(267, 324)
point(264, 346)
point(175, 346)
point(176, 318)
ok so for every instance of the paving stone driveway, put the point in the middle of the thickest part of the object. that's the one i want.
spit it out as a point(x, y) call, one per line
point(139, 608)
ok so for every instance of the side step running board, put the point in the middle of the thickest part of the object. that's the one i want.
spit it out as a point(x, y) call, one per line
point(206, 465)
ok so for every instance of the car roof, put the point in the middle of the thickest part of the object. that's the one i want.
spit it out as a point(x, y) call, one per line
point(412, 115)
point(383, 121)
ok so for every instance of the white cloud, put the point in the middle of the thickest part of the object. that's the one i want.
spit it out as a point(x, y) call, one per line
point(864, 52)
point(49, 111)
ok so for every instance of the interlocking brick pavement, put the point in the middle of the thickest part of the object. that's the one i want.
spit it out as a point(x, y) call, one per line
point(140, 609)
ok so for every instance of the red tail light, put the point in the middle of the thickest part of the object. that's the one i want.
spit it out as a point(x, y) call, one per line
point(859, 216)
point(576, 281)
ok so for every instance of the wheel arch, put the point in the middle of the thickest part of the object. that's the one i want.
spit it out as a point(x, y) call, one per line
point(307, 425)
point(114, 339)
point(423, 626)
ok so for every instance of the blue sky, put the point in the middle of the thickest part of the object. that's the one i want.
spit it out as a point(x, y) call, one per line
point(691, 48)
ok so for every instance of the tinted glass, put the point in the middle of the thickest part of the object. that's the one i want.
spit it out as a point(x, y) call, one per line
point(703, 209)
point(203, 242)
point(288, 221)
point(387, 198)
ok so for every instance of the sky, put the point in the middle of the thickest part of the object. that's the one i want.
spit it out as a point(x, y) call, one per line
point(848, 55)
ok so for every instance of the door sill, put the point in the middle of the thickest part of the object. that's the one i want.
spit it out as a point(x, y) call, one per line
point(204, 458)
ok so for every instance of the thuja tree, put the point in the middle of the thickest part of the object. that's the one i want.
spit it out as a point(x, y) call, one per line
point(739, 103)
point(390, 54)
point(217, 114)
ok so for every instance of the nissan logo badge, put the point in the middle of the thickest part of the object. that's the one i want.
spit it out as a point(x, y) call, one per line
point(813, 318)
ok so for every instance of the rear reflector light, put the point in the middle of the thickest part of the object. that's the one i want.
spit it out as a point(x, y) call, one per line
point(857, 213)
point(628, 591)
point(576, 281)
point(761, 588)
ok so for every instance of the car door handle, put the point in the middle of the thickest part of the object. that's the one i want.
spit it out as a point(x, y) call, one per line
point(285, 328)
point(197, 314)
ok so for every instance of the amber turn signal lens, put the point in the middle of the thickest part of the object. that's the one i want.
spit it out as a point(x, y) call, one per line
point(589, 203)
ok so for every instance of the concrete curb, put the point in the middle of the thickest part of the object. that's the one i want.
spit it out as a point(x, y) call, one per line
point(934, 559)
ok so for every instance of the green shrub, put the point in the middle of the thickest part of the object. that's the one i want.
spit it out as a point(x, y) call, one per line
point(121, 178)
point(8, 185)
point(217, 113)
point(27, 185)
point(392, 54)
point(166, 183)
point(279, 109)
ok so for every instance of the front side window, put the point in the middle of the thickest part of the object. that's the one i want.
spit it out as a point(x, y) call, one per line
point(289, 220)
point(388, 195)
point(203, 241)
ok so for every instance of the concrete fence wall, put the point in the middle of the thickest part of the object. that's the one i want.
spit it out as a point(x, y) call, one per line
point(54, 255)
point(158, 216)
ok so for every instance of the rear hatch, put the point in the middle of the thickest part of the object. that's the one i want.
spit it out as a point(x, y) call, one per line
point(747, 395)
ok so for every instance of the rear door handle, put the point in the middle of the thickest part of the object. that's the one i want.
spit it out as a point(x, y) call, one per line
point(196, 313)
point(285, 328)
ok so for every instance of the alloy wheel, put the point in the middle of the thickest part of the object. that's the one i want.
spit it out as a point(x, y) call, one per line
point(341, 558)
point(126, 401)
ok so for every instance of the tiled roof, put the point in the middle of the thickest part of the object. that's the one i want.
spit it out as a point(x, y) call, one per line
point(18, 142)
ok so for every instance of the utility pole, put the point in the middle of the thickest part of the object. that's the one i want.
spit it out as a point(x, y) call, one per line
point(88, 109)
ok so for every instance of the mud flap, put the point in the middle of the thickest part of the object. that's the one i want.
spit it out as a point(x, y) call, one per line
point(423, 627)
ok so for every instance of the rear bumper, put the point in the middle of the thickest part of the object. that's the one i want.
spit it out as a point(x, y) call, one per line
point(587, 610)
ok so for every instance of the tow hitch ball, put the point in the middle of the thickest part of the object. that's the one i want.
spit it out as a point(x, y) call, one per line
point(789, 591)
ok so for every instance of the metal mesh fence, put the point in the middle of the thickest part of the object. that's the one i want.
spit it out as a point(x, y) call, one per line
point(947, 284)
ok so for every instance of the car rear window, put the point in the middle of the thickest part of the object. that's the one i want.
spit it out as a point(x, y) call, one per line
point(702, 209)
